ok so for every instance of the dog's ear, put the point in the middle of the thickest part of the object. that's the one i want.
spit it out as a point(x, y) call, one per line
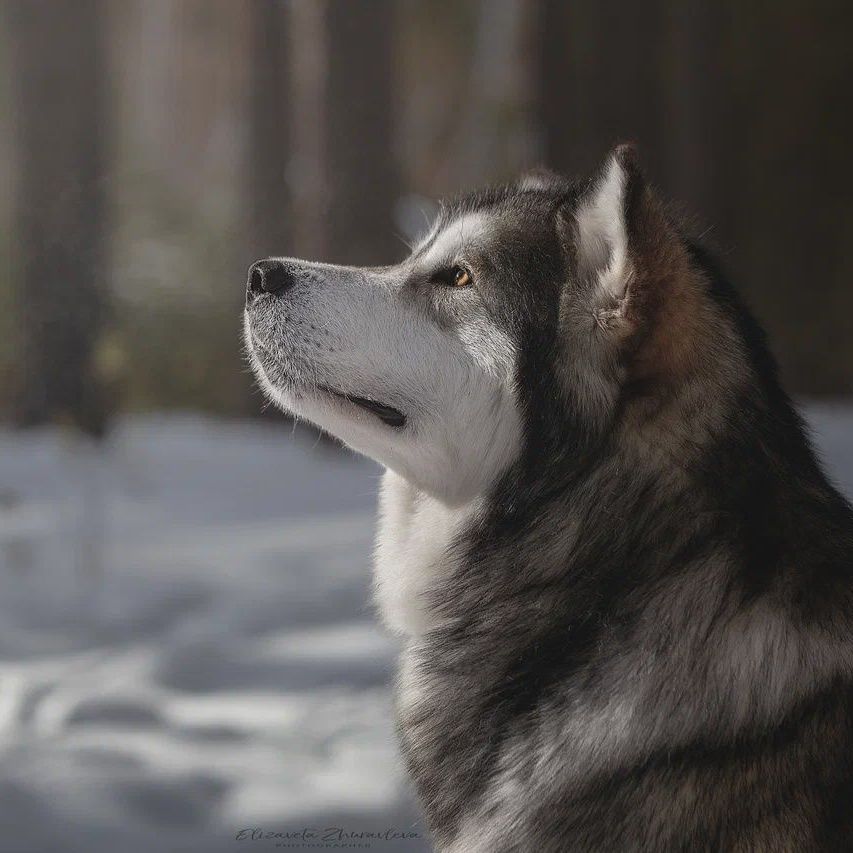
point(597, 228)
point(621, 244)
point(632, 268)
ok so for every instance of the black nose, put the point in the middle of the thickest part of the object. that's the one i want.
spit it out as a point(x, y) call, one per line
point(268, 276)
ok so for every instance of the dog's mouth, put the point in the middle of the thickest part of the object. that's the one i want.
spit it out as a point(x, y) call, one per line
point(387, 414)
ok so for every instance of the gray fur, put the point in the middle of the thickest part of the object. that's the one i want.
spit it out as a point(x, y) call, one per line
point(631, 628)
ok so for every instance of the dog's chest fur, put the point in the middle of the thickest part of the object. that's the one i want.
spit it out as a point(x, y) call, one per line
point(450, 721)
point(412, 544)
point(518, 711)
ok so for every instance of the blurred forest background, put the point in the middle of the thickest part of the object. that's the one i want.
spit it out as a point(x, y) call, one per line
point(151, 149)
point(187, 646)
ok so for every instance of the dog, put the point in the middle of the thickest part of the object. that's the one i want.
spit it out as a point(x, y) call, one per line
point(623, 582)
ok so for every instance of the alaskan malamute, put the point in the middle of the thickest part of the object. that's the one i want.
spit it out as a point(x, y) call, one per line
point(624, 583)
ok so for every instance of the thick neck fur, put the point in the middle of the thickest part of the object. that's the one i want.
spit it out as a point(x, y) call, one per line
point(413, 556)
point(648, 599)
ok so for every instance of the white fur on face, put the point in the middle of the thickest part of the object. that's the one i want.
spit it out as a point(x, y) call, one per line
point(356, 332)
point(451, 240)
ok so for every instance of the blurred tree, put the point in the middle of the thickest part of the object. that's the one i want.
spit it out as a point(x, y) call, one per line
point(359, 134)
point(269, 130)
point(492, 131)
point(794, 184)
point(600, 81)
point(59, 101)
point(699, 133)
point(736, 108)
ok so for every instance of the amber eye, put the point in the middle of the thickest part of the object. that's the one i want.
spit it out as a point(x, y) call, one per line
point(461, 277)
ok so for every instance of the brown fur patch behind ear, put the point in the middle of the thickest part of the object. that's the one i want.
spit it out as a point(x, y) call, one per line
point(665, 304)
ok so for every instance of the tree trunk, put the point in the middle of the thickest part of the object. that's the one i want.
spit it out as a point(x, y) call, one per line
point(600, 82)
point(269, 131)
point(700, 139)
point(59, 99)
point(361, 176)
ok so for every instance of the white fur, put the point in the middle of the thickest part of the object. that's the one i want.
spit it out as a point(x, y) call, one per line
point(463, 426)
point(412, 557)
point(354, 331)
point(449, 244)
point(602, 234)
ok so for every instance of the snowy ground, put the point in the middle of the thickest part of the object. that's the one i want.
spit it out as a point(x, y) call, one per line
point(186, 642)
point(187, 648)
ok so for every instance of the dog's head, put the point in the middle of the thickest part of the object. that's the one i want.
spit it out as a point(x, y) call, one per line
point(528, 316)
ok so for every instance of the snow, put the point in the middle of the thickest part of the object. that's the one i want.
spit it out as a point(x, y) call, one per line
point(187, 645)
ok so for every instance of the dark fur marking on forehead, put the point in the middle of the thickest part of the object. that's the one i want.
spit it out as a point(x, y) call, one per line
point(506, 200)
point(509, 197)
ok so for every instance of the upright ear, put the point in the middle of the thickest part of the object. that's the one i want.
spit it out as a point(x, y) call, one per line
point(601, 223)
point(637, 277)
point(625, 250)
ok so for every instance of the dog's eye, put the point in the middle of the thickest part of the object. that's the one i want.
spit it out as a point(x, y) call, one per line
point(456, 277)
point(461, 278)
point(453, 277)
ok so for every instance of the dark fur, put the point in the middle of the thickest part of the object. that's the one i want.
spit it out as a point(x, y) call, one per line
point(628, 551)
